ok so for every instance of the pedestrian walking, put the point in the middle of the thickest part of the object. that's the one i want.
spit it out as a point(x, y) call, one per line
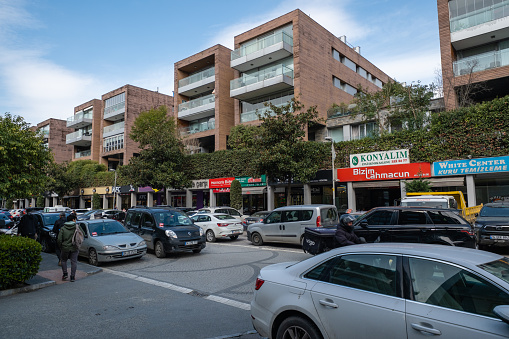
point(56, 229)
point(27, 226)
point(67, 248)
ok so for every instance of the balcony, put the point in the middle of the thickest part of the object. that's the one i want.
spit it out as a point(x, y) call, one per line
point(114, 129)
point(82, 154)
point(260, 108)
point(197, 108)
point(198, 83)
point(80, 120)
point(79, 138)
point(262, 52)
point(115, 112)
point(262, 83)
point(198, 127)
point(481, 62)
point(477, 27)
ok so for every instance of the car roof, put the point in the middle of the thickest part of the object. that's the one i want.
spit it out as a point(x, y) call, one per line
point(303, 206)
point(420, 208)
point(154, 209)
point(497, 204)
point(97, 221)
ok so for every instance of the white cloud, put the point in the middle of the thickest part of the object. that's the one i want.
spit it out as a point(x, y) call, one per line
point(411, 67)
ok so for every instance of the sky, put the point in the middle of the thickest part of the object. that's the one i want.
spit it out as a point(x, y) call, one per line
point(58, 54)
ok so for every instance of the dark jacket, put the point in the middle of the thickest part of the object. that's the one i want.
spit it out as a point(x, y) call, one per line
point(58, 225)
point(345, 237)
point(64, 239)
point(27, 226)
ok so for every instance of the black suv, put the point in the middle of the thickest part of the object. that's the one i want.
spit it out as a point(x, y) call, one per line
point(165, 230)
point(415, 225)
point(45, 223)
point(492, 225)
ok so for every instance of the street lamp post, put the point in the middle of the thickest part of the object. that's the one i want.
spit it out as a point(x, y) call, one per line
point(114, 189)
point(333, 156)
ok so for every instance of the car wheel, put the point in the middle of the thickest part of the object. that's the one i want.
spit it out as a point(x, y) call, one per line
point(159, 250)
point(197, 251)
point(45, 244)
point(256, 239)
point(92, 257)
point(298, 328)
point(234, 237)
point(211, 237)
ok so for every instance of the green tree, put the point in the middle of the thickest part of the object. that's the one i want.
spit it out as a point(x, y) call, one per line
point(243, 136)
point(59, 179)
point(236, 195)
point(40, 201)
point(23, 157)
point(96, 201)
point(418, 185)
point(161, 161)
point(283, 153)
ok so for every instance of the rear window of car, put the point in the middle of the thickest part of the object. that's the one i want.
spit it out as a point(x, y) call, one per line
point(440, 217)
point(51, 218)
point(234, 212)
point(224, 217)
point(490, 211)
point(329, 215)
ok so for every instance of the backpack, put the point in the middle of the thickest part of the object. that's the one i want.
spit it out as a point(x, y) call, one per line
point(78, 237)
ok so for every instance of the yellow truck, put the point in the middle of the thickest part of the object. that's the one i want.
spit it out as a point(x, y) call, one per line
point(452, 199)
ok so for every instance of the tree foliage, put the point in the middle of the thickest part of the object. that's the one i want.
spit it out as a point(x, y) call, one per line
point(243, 136)
point(236, 195)
point(23, 157)
point(418, 185)
point(96, 201)
point(161, 160)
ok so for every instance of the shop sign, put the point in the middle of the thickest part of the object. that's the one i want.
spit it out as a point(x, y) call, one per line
point(221, 190)
point(220, 182)
point(145, 189)
point(393, 157)
point(244, 182)
point(388, 172)
point(471, 166)
point(200, 184)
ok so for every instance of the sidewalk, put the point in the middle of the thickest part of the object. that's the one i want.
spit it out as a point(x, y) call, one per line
point(51, 274)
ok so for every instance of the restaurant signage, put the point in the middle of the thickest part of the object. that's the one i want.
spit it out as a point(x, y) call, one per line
point(388, 172)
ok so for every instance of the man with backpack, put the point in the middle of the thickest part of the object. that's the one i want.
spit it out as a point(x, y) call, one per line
point(69, 239)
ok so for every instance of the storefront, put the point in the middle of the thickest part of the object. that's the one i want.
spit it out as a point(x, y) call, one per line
point(253, 193)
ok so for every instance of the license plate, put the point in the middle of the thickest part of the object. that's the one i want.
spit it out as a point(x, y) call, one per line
point(235, 232)
point(194, 242)
point(126, 253)
point(499, 237)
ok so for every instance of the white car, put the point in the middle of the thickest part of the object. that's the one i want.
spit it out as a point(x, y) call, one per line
point(224, 210)
point(218, 225)
point(385, 290)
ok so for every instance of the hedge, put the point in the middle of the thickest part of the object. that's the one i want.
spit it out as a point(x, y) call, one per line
point(19, 260)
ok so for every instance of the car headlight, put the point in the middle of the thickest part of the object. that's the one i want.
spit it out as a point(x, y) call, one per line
point(142, 243)
point(109, 248)
point(201, 232)
point(171, 234)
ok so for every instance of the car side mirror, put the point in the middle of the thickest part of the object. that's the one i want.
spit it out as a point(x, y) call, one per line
point(502, 311)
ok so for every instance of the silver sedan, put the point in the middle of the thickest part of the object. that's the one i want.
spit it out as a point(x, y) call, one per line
point(385, 291)
point(108, 240)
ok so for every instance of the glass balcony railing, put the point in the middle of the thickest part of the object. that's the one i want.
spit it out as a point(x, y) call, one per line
point(112, 109)
point(198, 127)
point(481, 62)
point(208, 99)
point(209, 72)
point(77, 135)
point(260, 108)
point(82, 154)
point(249, 79)
point(257, 45)
point(119, 126)
point(78, 117)
point(480, 16)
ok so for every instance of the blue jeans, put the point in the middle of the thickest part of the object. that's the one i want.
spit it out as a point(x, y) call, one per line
point(74, 262)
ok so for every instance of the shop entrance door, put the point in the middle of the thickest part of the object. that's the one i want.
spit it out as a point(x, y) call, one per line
point(367, 198)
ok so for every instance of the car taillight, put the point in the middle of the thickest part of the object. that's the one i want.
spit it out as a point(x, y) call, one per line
point(468, 232)
point(318, 221)
point(222, 224)
point(259, 283)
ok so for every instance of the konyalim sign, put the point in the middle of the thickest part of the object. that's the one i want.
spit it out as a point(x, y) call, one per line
point(387, 172)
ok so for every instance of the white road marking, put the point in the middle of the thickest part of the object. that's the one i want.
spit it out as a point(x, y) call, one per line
point(258, 248)
point(225, 301)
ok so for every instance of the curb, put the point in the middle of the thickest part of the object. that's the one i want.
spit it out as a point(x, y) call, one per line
point(28, 288)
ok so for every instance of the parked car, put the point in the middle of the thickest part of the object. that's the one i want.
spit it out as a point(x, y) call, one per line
point(165, 230)
point(385, 291)
point(6, 222)
point(255, 217)
point(81, 211)
point(91, 215)
point(45, 223)
point(415, 225)
point(34, 209)
point(225, 210)
point(287, 224)
point(217, 225)
point(186, 210)
point(492, 225)
point(108, 240)
point(108, 214)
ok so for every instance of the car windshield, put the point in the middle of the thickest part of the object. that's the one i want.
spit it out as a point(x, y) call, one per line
point(172, 218)
point(105, 228)
point(50, 219)
point(223, 217)
point(492, 211)
point(90, 212)
point(499, 268)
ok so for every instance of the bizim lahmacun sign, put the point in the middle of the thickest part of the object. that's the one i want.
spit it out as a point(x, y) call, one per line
point(394, 157)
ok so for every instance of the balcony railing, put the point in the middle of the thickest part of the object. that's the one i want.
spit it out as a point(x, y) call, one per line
point(199, 127)
point(114, 129)
point(209, 72)
point(82, 154)
point(78, 117)
point(480, 16)
point(481, 62)
point(249, 79)
point(208, 99)
point(114, 111)
point(78, 136)
point(257, 45)
point(260, 108)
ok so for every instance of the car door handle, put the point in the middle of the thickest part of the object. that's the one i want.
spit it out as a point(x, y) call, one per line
point(426, 329)
point(328, 304)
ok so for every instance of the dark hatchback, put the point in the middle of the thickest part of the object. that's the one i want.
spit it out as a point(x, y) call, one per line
point(45, 223)
point(165, 230)
point(415, 225)
point(492, 225)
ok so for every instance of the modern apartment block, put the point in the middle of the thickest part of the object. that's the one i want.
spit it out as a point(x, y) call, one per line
point(54, 134)
point(101, 127)
point(203, 106)
point(474, 44)
point(294, 56)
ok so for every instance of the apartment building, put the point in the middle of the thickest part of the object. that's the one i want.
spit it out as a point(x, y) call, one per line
point(86, 119)
point(54, 134)
point(203, 107)
point(474, 45)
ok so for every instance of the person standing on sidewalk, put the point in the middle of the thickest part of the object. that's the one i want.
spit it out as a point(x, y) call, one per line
point(27, 226)
point(67, 249)
point(56, 229)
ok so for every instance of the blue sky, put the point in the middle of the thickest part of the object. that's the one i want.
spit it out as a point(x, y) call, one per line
point(58, 54)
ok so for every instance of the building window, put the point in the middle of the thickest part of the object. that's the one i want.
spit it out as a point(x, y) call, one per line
point(344, 86)
point(464, 14)
point(344, 60)
point(114, 103)
point(336, 134)
point(44, 130)
point(363, 131)
point(113, 143)
point(362, 72)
